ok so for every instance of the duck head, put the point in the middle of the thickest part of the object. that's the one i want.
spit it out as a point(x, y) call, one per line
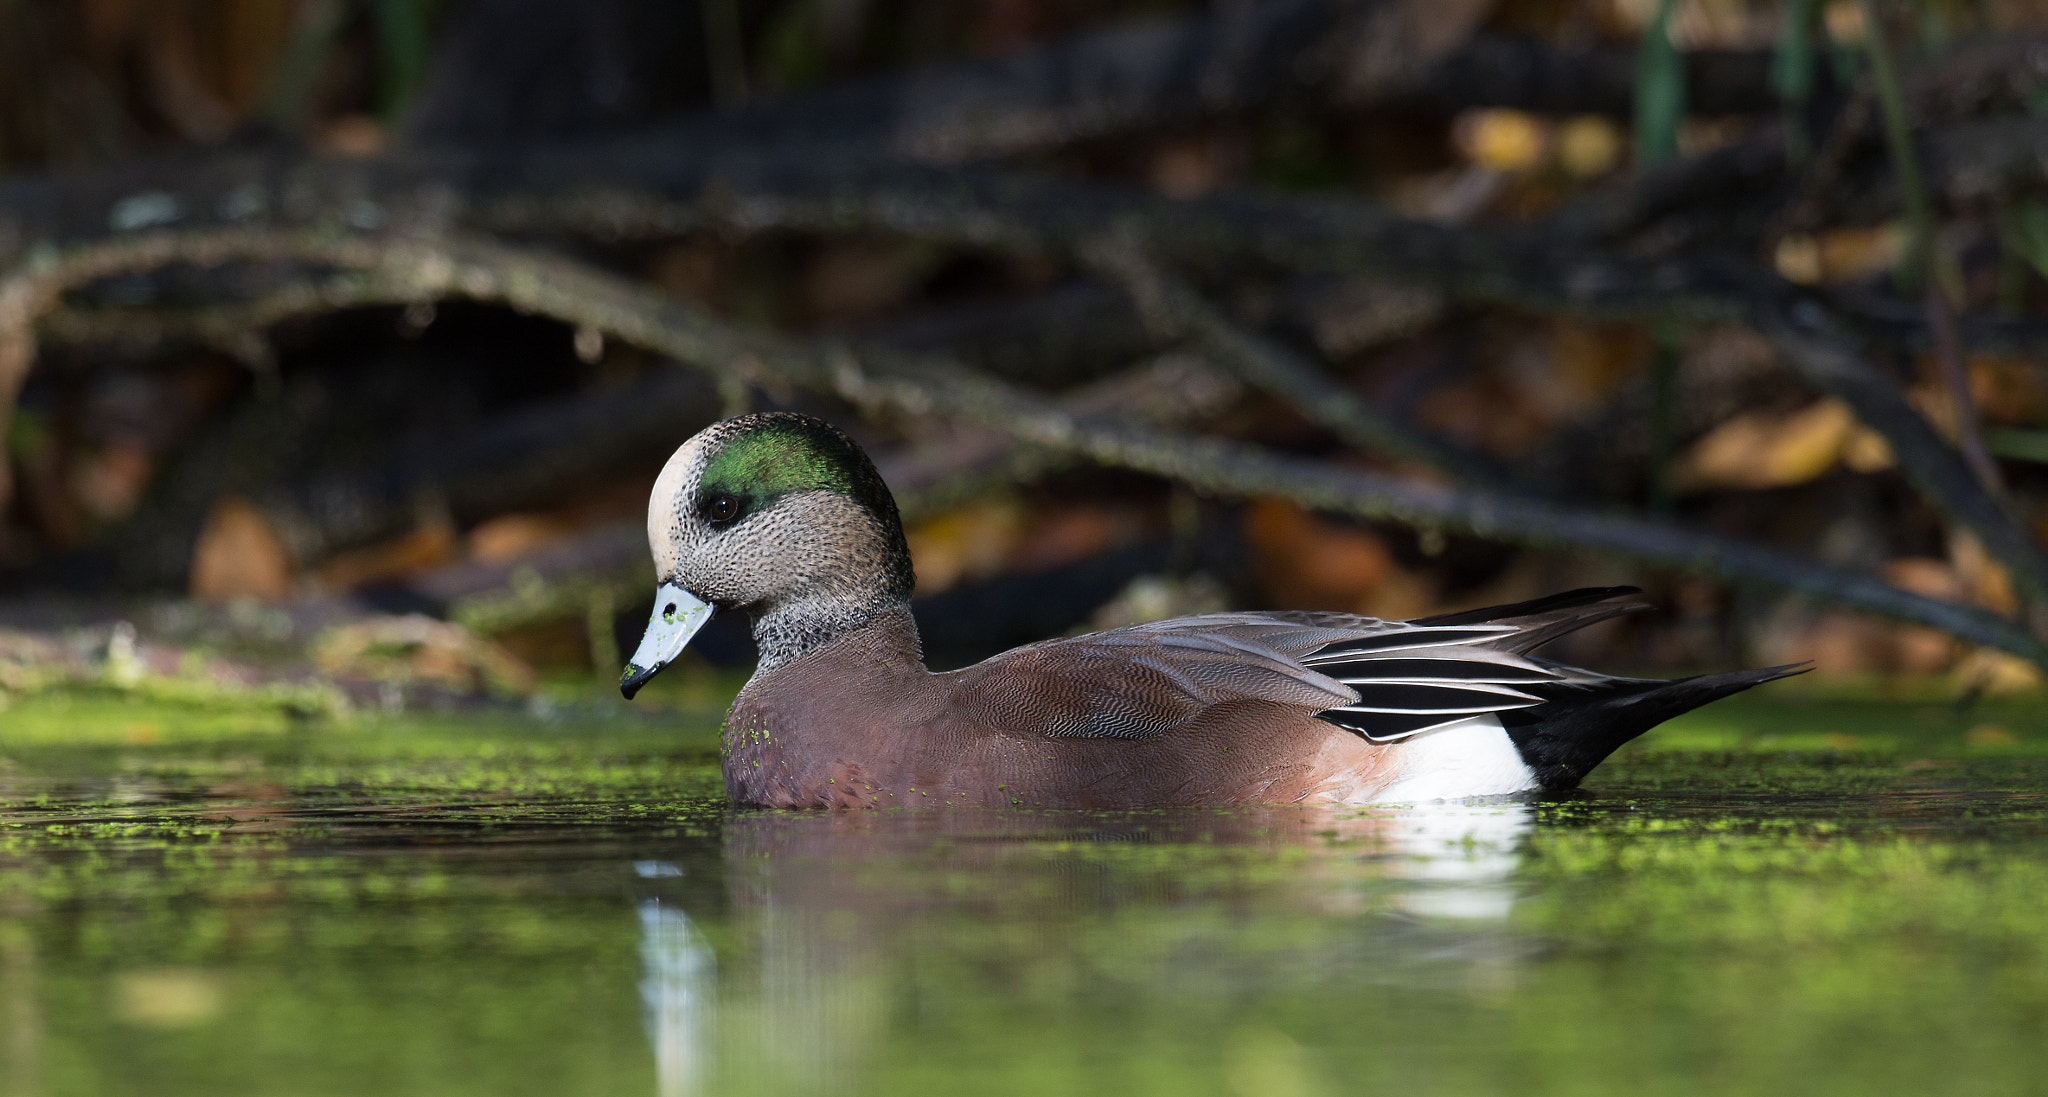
point(779, 515)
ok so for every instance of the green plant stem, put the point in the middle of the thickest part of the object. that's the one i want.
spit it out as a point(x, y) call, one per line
point(1792, 73)
point(1660, 91)
point(402, 46)
point(1921, 265)
point(1915, 263)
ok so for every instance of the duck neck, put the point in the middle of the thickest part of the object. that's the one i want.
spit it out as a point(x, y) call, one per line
point(791, 630)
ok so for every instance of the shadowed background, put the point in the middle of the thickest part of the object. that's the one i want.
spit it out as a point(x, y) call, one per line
point(349, 334)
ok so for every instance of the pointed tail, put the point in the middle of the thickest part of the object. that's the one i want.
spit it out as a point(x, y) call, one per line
point(1563, 739)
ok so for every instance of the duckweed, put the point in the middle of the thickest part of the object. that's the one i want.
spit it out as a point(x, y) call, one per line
point(1812, 894)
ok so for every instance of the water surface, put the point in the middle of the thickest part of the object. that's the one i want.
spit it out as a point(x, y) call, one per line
point(1774, 896)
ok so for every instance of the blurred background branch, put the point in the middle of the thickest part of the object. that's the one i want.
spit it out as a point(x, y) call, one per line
point(1357, 304)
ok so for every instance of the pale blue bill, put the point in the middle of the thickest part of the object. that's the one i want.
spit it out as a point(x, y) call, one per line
point(678, 615)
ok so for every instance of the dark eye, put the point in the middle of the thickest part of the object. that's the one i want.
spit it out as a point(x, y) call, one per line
point(720, 508)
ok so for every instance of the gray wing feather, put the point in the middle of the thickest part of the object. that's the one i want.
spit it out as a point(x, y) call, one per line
point(1143, 682)
point(1385, 680)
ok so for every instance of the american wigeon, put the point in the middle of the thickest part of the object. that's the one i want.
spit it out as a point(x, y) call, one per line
point(783, 517)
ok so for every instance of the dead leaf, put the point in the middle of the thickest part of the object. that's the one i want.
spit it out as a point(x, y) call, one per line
point(1797, 257)
point(1482, 410)
point(431, 545)
point(109, 483)
point(1500, 139)
point(1765, 450)
point(508, 537)
point(1305, 562)
point(239, 555)
point(1926, 576)
point(1997, 673)
point(1588, 146)
point(356, 136)
point(1847, 254)
point(1838, 255)
point(1867, 451)
point(1068, 534)
point(966, 543)
point(1589, 362)
point(1850, 645)
point(1844, 21)
point(1932, 400)
point(1987, 581)
point(2009, 389)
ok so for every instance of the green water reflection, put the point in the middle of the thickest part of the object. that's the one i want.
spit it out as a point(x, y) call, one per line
point(1814, 897)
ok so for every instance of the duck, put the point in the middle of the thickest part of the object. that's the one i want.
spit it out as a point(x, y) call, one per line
point(783, 517)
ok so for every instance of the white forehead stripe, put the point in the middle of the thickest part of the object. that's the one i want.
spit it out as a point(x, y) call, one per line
point(670, 501)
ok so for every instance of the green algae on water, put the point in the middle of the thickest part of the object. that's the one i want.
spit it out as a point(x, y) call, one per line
point(200, 899)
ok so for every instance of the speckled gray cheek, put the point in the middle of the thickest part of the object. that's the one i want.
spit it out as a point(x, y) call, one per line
point(779, 552)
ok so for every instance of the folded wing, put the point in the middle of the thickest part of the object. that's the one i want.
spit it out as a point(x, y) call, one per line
point(1385, 680)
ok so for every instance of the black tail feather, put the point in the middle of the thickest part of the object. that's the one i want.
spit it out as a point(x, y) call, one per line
point(1571, 599)
point(1542, 620)
point(1540, 629)
point(1563, 739)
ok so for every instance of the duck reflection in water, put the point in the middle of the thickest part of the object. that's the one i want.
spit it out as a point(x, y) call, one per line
point(677, 987)
point(850, 929)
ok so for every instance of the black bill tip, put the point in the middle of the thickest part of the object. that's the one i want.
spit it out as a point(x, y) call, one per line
point(635, 677)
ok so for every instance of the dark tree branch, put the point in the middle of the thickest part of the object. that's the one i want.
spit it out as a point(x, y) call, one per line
point(1534, 75)
point(651, 194)
point(1525, 270)
point(1232, 60)
point(582, 295)
point(1629, 205)
point(1999, 75)
point(1180, 312)
point(1228, 468)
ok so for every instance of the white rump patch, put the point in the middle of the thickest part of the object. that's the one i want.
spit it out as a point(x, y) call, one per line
point(1469, 758)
